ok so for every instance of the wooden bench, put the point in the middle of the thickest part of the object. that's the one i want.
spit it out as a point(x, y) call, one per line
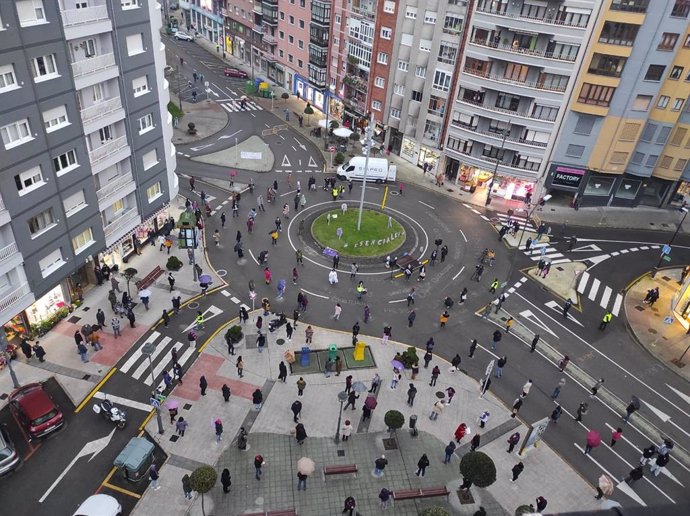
point(425, 492)
point(340, 469)
point(285, 512)
point(148, 280)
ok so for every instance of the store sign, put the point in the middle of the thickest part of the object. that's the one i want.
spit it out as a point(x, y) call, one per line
point(566, 177)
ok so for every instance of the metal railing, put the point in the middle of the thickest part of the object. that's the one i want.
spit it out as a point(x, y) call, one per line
point(496, 135)
point(545, 21)
point(523, 51)
point(107, 149)
point(8, 251)
point(503, 110)
point(72, 17)
point(125, 219)
point(525, 84)
point(96, 111)
point(93, 64)
point(114, 186)
point(8, 300)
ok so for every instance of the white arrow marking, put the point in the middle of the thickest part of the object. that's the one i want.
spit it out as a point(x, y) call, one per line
point(684, 396)
point(586, 248)
point(554, 306)
point(286, 161)
point(301, 145)
point(312, 163)
point(528, 315)
point(209, 90)
point(201, 147)
point(92, 448)
point(213, 310)
point(123, 401)
point(458, 274)
point(661, 415)
point(596, 259)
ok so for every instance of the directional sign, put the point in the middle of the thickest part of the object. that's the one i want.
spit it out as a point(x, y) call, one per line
point(684, 396)
point(312, 163)
point(212, 310)
point(666, 249)
point(490, 367)
point(301, 145)
point(331, 149)
point(556, 307)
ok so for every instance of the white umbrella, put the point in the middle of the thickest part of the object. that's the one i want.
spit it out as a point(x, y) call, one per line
point(145, 293)
point(306, 466)
point(342, 132)
point(322, 123)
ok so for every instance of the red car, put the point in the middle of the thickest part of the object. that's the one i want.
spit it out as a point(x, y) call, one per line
point(35, 410)
point(234, 72)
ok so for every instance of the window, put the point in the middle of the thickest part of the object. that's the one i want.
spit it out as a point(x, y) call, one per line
point(65, 162)
point(82, 241)
point(145, 123)
point(637, 158)
point(389, 6)
point(411, 13)
point(300, 43)
point(55, 118)
point(379, 82)
point(602, 64)
point(664, 133)
point(516, 72)
point(506, 101)
point(281, 53)
point(668, 41)
point(651, 160)
point(105, 133)
point(8, 81)
point(140, 85)
point(117, 207)
point(386, 32)
point(281, 34)
point(89, 47)
point(29, 180)
point(618, 158)
point(301, 24)
point(291, 58)
point(678, 104)
point(403, 65)
point(300, 63)
point(595, 94)
point(282, 14)
point(291, 39)
point(676, 72)
point(382, 58)
point(130, 4)
point(292, 20)
point(461, 146)
point(135, 44)
point(153, 192)
point(641, 103)
point(679, 136)
point(430, 17)
point(648, 132)
point(150, 159)
point(615, 33)
point(44, 67)
point(73, 203)
point(654, 73)
point(16, 134)
point(97, 93)
point(425, 45)
point(447, 53)
point(51, 263)
point(417, 96)
point(31, 12)
point(420, 71)
point(489, 151)
point(452, 25)
point(442, 80)
point(395, 113)
point(337, 19)
point(629, 132)
point(575, 151)
point(681, 9)
point(584, 125)
point(399, 89)
point(662, 103)
point(666, 162)
point(544, 112)
point(376, 105)
point(406, 40)
point(41, 222)
point(686, 44)
point(680, 165)
point(635, 6)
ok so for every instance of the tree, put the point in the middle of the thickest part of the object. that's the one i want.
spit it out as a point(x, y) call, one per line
point(523, 509)
point(354, 137)
point(129, 274)
point(409, 357)
point(234, 334)
point(478, 468)
point(339, 158)
point(202, 480)
point(394, 420)
point(285, 96)
point(434, 511)
point(308, 111)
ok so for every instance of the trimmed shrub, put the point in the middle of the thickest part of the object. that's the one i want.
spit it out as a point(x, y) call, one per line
point(479, 468)
point(173, 264)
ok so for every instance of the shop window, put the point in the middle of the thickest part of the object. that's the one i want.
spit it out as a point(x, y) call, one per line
point(599, 186)
point(628, 189)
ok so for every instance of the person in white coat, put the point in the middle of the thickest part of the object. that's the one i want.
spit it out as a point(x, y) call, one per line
point(333, 277)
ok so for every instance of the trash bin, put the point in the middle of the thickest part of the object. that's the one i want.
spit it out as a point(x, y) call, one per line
point(332, 352)
point(358, 354)
point(304, 356)
point(413, 424)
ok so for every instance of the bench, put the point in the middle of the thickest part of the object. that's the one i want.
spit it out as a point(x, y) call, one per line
point(285, 512)
point(425, 492)
point(341, 469)
point(148, 280)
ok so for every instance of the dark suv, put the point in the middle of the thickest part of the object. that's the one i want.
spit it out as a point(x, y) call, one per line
point(35, 410)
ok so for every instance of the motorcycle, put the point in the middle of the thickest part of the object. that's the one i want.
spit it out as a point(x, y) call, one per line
point(111, 413)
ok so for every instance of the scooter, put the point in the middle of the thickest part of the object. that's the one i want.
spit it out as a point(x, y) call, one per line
point(111, 413)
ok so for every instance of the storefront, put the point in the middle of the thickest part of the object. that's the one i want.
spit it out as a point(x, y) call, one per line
point(41, 316)
point(207, 21)
point(476, 179)
point(680, 303)
point(428, 157)
point(307, 92)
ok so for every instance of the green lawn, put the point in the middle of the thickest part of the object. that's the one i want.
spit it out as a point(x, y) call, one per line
point(375, 238)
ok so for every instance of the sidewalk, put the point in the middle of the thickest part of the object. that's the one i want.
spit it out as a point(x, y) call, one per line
point(270, 434)
point(62, 360)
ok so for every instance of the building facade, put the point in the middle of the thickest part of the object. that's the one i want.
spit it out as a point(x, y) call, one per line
point(625, 138)
point(88, 164)
point(518, 68)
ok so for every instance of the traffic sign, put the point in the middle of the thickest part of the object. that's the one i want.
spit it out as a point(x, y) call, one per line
point(667, 258)
point(668, 320)
point(666, 249)
point(331, 149)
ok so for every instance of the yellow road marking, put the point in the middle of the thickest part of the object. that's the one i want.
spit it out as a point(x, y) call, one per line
point(95, 390)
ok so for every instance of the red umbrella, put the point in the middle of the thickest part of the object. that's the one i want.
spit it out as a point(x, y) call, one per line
point(371, 402)
point(593, 438)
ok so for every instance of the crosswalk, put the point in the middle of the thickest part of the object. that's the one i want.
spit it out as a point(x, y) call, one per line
point(235, 105)
point(594, 292)
point(537, 250)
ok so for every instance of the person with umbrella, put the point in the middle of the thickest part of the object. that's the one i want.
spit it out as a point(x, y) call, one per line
point(145, 296)
point(632, 407)
point(172, 405)
point(593, 440)
point(281, 288)
point(351, 398)
point(605, 487)
point(225, 480)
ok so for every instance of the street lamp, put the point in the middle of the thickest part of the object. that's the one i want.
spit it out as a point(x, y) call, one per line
point(342, 398)
point(8, 359)
point(331, 90)
point(505, 132)
point(149, 349)
point(187, 239)
point(369, 134)
point(673, 238)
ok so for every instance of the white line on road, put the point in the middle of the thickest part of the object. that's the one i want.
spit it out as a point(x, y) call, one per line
point(253, 115)
point(606, 296)
point(234, 300)
point(485, 218)
point(617, 305)
point(135, 356)
point(123, 401)
point(144, 366)
point(293, 148)
point(458, 274)
point(313, 294)
point(463, 237)
point(252, 255)
point(427, 205)
point(397, 301)
point(288, 193)
point(582, 285)
point(594, 290)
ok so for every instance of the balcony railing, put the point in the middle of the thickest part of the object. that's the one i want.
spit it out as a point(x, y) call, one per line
point(355, 104)
point(10, 299)
point(93, 64)
point(115, 186)
point(107, 149)
point(498, 136)
point(258, 9)
point(271, 40)
point(525, 84)
point(92, 113)
point(364, 12)
point(503, 110)
point(123, 221)
point(8, 251)
point(2, 205)
point(523, 51)
point(71, 17)
point(545, 21)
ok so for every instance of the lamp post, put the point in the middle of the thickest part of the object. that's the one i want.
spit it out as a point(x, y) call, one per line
point(505, 132)
point(149, 349)
point(369, 134)
point(329, 92)
point(8, 360)
point(342, 398)
point(670, 243)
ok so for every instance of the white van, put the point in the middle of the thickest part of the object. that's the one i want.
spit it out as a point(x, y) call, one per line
point(379, 171)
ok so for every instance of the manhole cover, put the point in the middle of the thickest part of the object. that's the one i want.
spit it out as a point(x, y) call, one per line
point(85, 308)
point(652, 331)
point(280, 342)
point(559, 269)
point(187, 406)
point(390, 444)
point(666, 278)
point(74, 319)
point(341, 453)
point(639, 308)
point(174, 438)
point(222, 273)
point(193, 306)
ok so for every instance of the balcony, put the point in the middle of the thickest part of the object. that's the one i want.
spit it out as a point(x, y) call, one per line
point(494, 109)
point(258, 9)
point(356, 82)
point(365, 11)
point(496, 137)
point(116, 186)
point(93, 64)
point(4, 214)
point(71, 17)
point(522, 51)
point(268, 38)
point(121, 225)
point(530, 19)
point(12, 299)
point(523, 84)
point(108, 149)
point(8, 251)
point(355, 104)
point(97, 111)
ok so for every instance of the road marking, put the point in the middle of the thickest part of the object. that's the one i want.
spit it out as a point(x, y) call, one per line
point(137, 354)
point(427, 205)
point(123, 401)
point(286, 161)
point(160, 347)
point(288, 193)
point(555, 306)
point(617, 305)
point(485, 218)
point(560, 260)
point(474, 211)
point(458, 274)
point(644, 247)
point(234, 300)
point(214, 310)
point(584, 278)
point(397, 301)
point(529, 315)
point(253, 258)
point(311, 163)
point(683, 396)
point(593, 291)
point(463, 235)
point(586, 248)
point(615, 253)
point(605, 298)
point(313, 294)
point(633, 249)
point(624, 251)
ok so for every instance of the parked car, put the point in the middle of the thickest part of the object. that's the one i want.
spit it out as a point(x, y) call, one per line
point(35, 410)
point(183, 36)
point(9, 458)
point(234, 72)
point(99, 505)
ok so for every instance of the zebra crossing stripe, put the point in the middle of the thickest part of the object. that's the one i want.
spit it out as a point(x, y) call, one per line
point(137, 354)
point(606, 297)
point(552, 255)
point(644, 247)
point(225, 293)
point(485, 218)
point(234, 300)
point(245, 307)
point(561, 260)
point(624, 251)
point(144, 365)
point(583, 282)
point(182, 360)
point(160, 366)
point(593, 291)
point(617, 305)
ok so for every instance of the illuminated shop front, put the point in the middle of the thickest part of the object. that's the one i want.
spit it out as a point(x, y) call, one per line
point(680, 303)
point(472, 179)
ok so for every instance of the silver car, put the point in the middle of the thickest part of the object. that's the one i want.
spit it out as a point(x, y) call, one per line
point(9, 458)
point(183, 36)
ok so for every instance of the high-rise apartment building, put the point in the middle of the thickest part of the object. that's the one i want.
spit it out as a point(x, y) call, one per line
point(87, 160)
point(518, 68)
point(625, 138)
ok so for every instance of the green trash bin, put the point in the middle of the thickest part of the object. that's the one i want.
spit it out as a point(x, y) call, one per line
point(332, 352)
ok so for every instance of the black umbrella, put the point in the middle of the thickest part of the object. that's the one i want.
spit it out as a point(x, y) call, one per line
point(635, 402)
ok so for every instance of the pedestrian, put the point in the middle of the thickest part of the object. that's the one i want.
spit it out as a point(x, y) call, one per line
point(26, 349)
point(451, 392)
point(375, 382)
point(556, 414)
point(581, 410)
point(500, 364)
point(516, 470)
point(566, 307)
point(385, 496)
point(595, 387)
point(81, 349)
point(473, 347)
point(239, 364)
point(216, 237)
point(411, 393)
point(346, 430)
point(494, 285)
point(337, 311)
point(301, 384)
point(496, 338)
point(436, 410)
point(526, 388)
point(605, 320)
point(516, 407)
point(533, 345)
point(634, 475)
point(257, 399)
point(387, 330)
point(153, 477)
point(557, 390)
point(167, 380)
point(629, 410)
point(328, 367)
point(541, 503)
point(225, 390)
point(203, 385)
point(616, 435)
point(187, 488)
point(380, 465)
point(460, 432)
point(410, 318)
point(131, 318)
point(166, 318)
point(396, 378)
point(474, 443)
point(296, 408)
point(435, 372)
point(100, 318)
point(367, 314)
point(225, 480)
point(191, 337)
point(115, 284)
point(176, 303)
point(301, 481)
point(39, 351)
point(427, 358)
point(443, 318)
point(484, 418)
point(660, 463)
point(591, 442)
point(513, 440)
point(350, 505)
point(422, 464)
point(300, 433)
point(647, 455)
point(563, 363)
point(308, 334)
point(258, 464)
point(351, 398)
point(509, 324)
point(449, 451)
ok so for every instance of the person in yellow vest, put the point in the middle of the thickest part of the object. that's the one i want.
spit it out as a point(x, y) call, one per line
point(361, 290)
point(494, 285)
point(199, 320)
point(509, 324)
point(606, 320)
point(335, 192)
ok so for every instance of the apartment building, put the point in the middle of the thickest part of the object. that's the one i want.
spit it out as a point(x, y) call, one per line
point(428, 43)
point(625, 141)
point(204, 17)
point(518, 69)
point(87, 159)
